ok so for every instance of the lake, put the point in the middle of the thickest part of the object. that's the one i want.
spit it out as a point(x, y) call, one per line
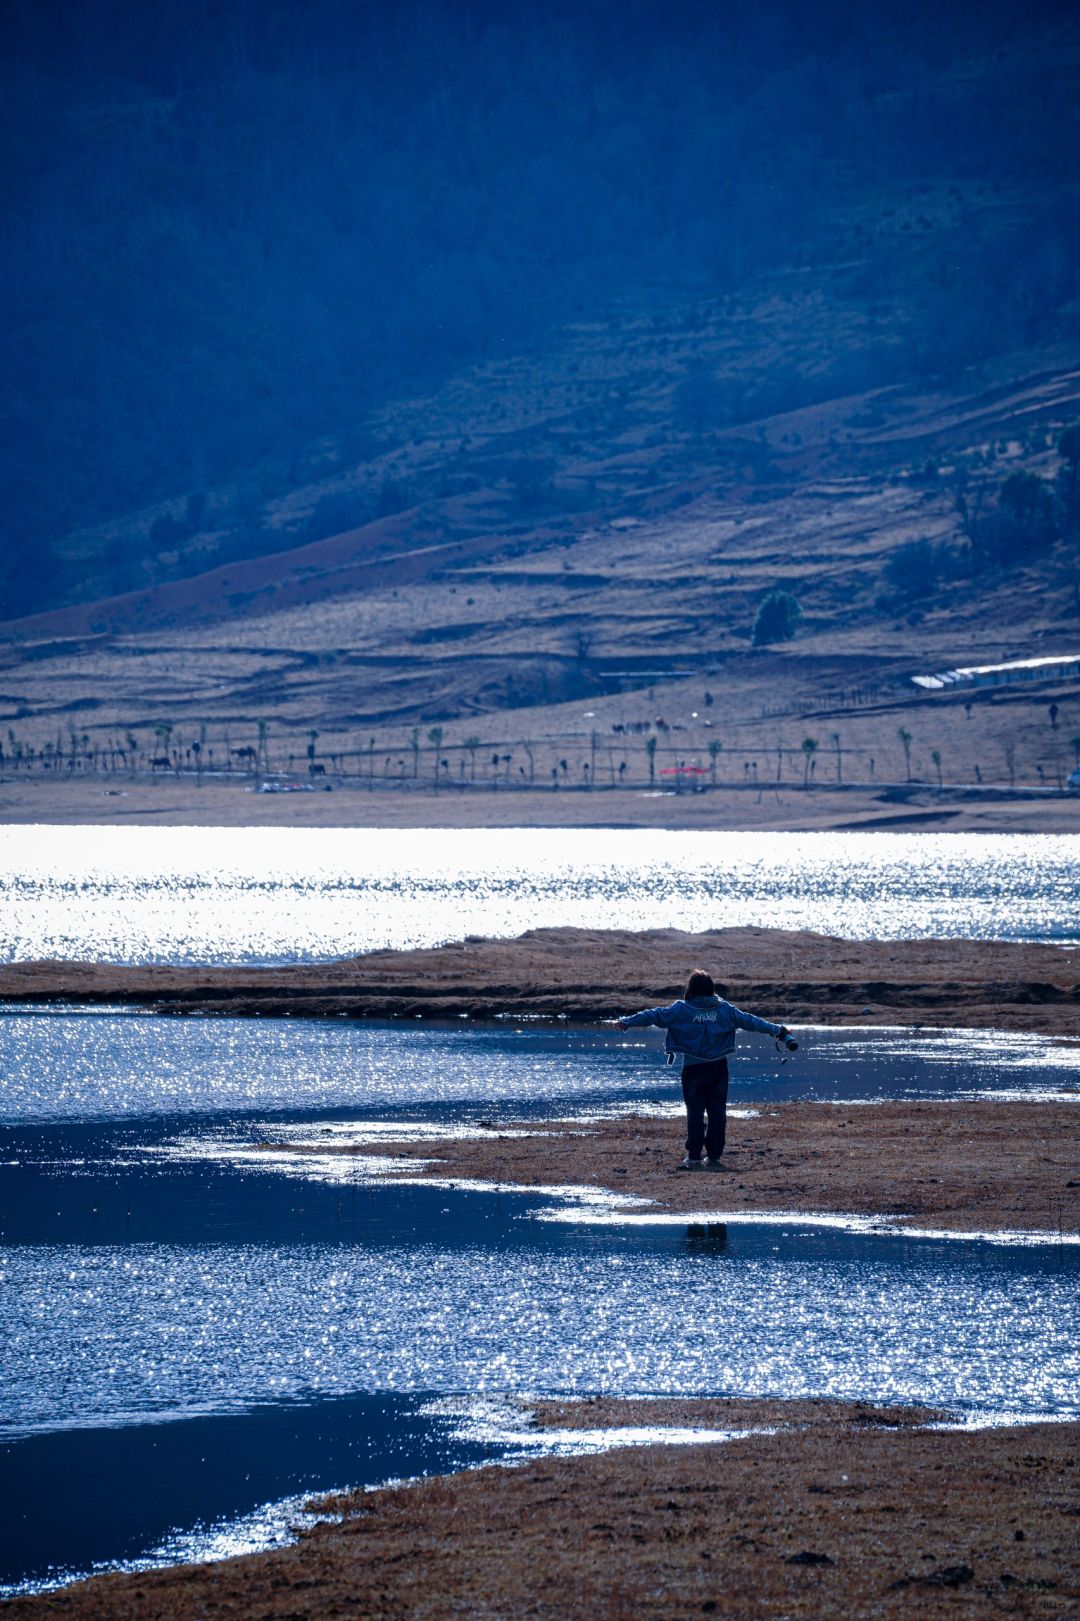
point(265, 895)
point(197, 1336)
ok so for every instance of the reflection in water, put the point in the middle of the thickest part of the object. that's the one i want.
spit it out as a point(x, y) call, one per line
point(706, 1238)
point(282, 894)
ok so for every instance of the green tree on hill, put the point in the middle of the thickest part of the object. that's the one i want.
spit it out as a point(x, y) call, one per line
point(809, 748)
point(913, 570)
point(777, 619)
point(1028, 501)
point(1069, 450)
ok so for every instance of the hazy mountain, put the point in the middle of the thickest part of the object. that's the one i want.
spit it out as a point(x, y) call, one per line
point(236, 235)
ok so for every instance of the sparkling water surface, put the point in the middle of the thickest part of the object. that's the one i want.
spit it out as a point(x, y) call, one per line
point(113, 1336)
point(197, 1334)
point(249, 895)
point(114, 1065)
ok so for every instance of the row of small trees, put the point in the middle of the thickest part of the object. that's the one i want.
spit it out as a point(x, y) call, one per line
point(426, 759)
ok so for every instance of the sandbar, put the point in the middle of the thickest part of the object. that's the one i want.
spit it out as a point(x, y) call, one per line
point(590, 974)
point(963, 1166)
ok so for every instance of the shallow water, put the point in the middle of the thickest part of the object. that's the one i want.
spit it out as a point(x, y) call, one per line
point(114, 1065)
point(275, 895)
point(195, 1339)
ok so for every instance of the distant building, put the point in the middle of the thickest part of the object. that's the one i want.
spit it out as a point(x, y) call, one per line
point(1054, 668)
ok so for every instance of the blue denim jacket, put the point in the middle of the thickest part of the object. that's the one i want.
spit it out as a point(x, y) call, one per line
point(704, 1029)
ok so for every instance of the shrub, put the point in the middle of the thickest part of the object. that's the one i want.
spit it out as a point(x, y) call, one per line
point(195, 510)
point(166, 531)
point(698, 401)
point(393, 497)
point(337, 513)
point(1028, 502)
point(1025, 520)
point(1069, 450)
point(777, 619)
point(913, 571)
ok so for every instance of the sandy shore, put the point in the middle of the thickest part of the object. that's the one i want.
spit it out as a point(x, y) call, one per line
point(846, 1512)
point(961, 1166)
point(171, 801)
point(590, 974)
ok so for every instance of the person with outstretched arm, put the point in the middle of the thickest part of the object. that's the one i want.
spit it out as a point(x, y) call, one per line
point(701, 1029)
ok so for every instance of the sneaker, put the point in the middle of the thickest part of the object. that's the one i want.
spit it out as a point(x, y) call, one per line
point(689, 1164)
point(716, 1165)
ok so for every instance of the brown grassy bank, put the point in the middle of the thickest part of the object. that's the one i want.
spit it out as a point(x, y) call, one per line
point(600, 973)
point(838, 1515)
point(965, 1166)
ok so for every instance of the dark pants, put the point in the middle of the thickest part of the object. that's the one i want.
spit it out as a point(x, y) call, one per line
point(704, 1090)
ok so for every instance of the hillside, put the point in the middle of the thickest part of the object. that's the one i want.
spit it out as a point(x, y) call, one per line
point(556, 625)
point(543, 570)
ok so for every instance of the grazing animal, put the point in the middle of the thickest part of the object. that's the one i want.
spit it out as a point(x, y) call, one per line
point(316, 770)
point(162, 762)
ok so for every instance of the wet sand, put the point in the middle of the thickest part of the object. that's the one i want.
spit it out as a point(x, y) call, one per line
point(960, 1166)
point(846, 1512)
point(590, 974)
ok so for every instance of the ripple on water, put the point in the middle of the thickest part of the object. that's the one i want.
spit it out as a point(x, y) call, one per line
point(283, 894)
point(121, 1334)
point(70, 1067)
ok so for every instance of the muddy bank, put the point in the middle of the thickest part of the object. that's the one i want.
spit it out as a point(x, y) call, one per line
point(964, 1166)
point(598, 973)
point(844, 1512)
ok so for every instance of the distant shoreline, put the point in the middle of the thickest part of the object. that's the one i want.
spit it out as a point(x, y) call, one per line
point(179, 801)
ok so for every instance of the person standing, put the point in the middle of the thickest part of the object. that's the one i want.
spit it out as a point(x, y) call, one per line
point(701, 1029)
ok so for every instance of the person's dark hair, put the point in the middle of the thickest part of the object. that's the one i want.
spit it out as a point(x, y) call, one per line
point(699, 984)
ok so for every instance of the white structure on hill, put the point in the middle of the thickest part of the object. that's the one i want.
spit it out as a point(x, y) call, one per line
point(1057, 667)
